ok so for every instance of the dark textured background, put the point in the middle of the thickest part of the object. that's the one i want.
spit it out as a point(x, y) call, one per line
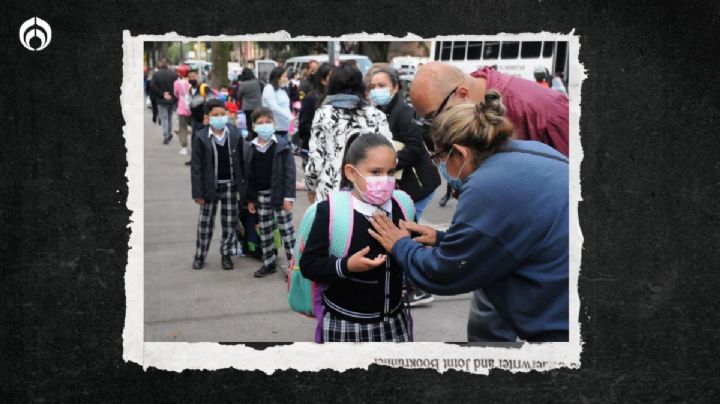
point(650, 182)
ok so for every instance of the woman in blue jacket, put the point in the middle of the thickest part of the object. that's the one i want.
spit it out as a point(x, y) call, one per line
point(509, 234)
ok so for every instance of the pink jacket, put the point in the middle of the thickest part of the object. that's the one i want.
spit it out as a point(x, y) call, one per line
point(181, 88)
point(538, 113)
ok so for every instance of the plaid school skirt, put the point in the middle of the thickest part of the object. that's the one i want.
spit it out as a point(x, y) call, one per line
point(337, 329)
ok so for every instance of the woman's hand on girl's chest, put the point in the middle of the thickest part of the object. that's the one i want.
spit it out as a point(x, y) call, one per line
point(385, 231)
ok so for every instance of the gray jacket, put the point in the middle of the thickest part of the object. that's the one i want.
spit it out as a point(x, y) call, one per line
point(250, 94)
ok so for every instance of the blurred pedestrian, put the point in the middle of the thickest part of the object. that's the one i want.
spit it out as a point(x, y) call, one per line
point(162, 83)
point(542, 77)
point(306, 83)
point(276, 98)
point(223, 94)
point(181, 89)
point(345, 111)
point(293, 86)
point(197, 106)
point(558, 85)
point(151, 96)
point(419, 177)
point(293, 91)
point(232, 110)
point(249, 94)
point(309, 105)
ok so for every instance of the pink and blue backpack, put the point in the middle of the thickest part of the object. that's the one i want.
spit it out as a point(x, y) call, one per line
point(304, 295)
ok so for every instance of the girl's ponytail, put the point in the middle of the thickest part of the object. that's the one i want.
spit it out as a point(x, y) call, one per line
point(344, 182)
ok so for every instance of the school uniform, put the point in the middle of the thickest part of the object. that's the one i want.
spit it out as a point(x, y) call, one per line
point(270, 174)
point(217, 177)
point(360, 306)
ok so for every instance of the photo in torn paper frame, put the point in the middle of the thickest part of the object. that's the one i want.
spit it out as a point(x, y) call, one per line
point(177, 317)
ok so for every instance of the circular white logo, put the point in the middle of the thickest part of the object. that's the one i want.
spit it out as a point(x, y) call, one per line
point(35, 34)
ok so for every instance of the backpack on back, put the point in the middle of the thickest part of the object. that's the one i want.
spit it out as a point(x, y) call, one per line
point(304, 295)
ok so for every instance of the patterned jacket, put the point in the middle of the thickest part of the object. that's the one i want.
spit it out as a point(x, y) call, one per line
point(331, 128)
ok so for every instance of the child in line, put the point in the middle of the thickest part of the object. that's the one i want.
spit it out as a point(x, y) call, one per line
point(216, 177)
point(270, 169)
point(363, 300)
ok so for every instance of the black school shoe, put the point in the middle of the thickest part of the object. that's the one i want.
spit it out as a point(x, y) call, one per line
point(227, 263)
point(265, 271)
point(198, 263)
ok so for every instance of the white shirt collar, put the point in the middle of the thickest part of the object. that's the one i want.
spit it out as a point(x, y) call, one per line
point(219, 140)
point(367, 209)
point(263, 147)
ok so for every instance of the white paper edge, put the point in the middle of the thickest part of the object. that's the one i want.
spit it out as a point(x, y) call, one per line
point(307, 356)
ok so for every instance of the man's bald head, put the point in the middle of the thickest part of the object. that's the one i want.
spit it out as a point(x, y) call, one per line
point(434, 81)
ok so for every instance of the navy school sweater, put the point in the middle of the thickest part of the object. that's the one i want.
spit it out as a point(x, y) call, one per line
point(364, 297)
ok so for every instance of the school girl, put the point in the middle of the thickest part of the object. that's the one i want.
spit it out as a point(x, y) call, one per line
point(363, 301)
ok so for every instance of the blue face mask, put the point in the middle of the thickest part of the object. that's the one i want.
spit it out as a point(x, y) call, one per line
point(380, 96)
point(265, 130)
point(218, 122)
point(456, 182)
point(244, 133)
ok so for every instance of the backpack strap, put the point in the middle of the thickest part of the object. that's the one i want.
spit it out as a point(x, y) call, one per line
point(406, 204)
point(303, 232)
point(341, 222)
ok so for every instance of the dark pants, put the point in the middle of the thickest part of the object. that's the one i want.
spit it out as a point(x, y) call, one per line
point(154, 108)
point(249, 124)
point(166, 113)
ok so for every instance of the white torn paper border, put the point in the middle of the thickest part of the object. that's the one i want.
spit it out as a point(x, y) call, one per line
point(304, 356)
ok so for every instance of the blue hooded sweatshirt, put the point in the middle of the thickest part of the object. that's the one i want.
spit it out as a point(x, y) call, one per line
point(509, 237)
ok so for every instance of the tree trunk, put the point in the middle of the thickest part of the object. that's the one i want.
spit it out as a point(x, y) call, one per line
point(376, 51)
point(220, 59)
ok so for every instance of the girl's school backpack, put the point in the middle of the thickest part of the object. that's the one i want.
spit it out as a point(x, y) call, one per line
point(304, 295)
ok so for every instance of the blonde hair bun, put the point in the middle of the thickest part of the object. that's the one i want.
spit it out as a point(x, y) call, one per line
point(482, 126)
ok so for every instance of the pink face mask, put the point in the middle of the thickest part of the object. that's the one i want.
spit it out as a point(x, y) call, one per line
point(378, 188)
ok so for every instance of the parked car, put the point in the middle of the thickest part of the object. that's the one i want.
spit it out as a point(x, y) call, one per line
point(299, 63)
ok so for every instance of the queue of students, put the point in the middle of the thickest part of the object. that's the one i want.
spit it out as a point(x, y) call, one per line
point(510, 223)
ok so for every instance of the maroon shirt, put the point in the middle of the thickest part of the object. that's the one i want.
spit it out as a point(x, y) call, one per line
point(538, 113)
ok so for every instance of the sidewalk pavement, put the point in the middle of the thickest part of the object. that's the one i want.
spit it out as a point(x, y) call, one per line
point(182, 304)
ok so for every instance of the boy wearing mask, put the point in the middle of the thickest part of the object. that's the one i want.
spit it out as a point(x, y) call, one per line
point(217, 177)
point(270, 171)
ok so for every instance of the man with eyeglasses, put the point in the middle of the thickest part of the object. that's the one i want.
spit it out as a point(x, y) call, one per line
point(537, 114)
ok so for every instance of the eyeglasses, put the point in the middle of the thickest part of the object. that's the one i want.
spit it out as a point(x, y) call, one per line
point(435, 157)
point(427, 120)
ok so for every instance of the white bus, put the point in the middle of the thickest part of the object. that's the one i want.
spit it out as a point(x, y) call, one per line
point(516, 58)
